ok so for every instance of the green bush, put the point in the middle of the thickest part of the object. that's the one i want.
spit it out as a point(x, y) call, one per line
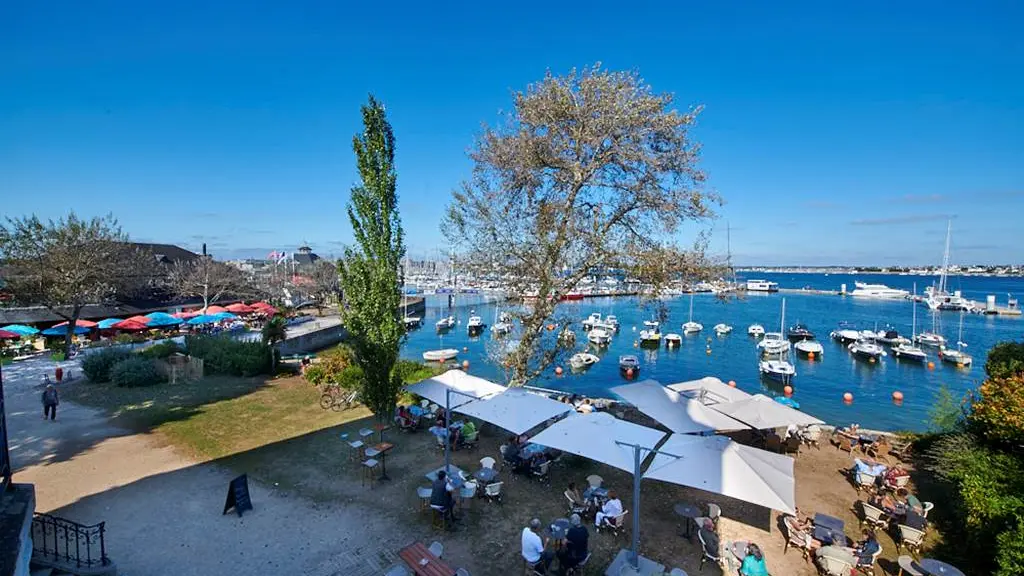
point(411, 371)
point(1010, 551)
point(351, 378)
point(97, 365)
point(316, 374)
point(162, 350)
point(225, 355)
point(136, 371)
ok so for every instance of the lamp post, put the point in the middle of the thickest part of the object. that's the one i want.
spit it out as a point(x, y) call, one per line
point(637, 460)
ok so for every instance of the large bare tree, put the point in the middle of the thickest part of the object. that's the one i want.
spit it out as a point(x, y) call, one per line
point(325, 283)
point(67, 264)
point(208, 279)
point(591, 171)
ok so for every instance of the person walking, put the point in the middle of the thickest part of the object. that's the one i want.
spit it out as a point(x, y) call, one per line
point(50, 402)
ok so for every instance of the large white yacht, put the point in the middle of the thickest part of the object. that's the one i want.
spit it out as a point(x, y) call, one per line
point(878, 291)
point(762, 286)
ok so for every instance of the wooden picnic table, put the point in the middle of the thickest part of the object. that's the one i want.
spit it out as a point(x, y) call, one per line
point(415, 554)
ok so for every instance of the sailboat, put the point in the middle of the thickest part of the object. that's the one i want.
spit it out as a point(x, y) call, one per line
point(692, 327)
point(502, 323)
point(909, 351)
point(779, 369)
point(958, 356)
point(933, 338)
point(409, 321)
point(939, 297)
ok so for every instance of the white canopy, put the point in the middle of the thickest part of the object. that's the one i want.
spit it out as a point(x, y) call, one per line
point(677, 412)
point(709, 390)
point(434, 388)
point(594, 436)
point(515, 409)
point(717, 464)
point(760, 412)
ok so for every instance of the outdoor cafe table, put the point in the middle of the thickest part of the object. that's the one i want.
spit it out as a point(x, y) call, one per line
point(423, 562)
point(934, 567)
point(908, 565)
point(688, 512)
point(739, 550)
point(382, 450)
point(486, 475)
point(380, 427)
point(454, 475)
point(829, 529)
point(559, 528)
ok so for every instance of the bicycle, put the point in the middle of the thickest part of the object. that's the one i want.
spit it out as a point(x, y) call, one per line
point(338, 399)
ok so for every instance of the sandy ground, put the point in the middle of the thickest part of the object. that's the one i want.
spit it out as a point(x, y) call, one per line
point(313, 515)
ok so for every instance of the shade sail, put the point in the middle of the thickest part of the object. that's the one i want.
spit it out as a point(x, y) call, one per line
point(434, 388)
point(21, 329)
point(203, 319)
point(717, 464)
point(215, 309)
point(107, 323)
point(594, 436)
point(130, 325)
point(760, 412)
point(709, 390)
point(515, 409)
point(62, 330)
point(240, 308)
point(675, 411)
point(78, 323)
point(5, 335)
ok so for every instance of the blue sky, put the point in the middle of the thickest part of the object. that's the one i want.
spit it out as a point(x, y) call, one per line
point(842, 134)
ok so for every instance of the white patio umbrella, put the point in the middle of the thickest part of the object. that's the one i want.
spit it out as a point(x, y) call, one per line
point(675, 411)
point(709, 390)
point(515, 409)
point(717, 464)
point(599, 436)
point(761, 412)
point(465, 388)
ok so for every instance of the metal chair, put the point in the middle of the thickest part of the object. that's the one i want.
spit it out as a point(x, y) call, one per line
point(615, 524)
point(369, 471)
point(911, 538)
point(541, 472)
point(436, 548)
point(575, 507)
point(355, 450)
point(365, 433)
point(595, 481)
point(438, 516)
point(424, 493)
point(493, 492)
point(579, 568)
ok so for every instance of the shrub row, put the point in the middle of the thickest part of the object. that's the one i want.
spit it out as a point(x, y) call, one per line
point(226, 355)
point(97, 365)
point(136, 371)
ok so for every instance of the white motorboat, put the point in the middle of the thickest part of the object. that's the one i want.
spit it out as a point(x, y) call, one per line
point(651, 324)
point(845, 335)
point(755, 330)
point(868, 335)
point(958, 356)
point(629, 366)
point(799, 332)
point(583, 360)
point(502, 323)
point(866, 349)
point(603, 325)
point(599, 336)
point(722, 329)
point(891, 337)
point(612, 322)
point(594, 318)
point(475, 325)
point(445, 323)
point(762, 286)
point(691, 327)
point(930, 339)
point(651, 335)
point(411, 322)
point(778, 370)
point(809, 347)
point(878, 292)
point(907, 350)
point(673, 340)
point(440, 355)
point(773, 343)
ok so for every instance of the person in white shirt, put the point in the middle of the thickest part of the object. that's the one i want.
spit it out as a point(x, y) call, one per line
point(535, 550)
point(611, 508)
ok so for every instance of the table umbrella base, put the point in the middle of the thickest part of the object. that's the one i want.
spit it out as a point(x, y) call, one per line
point(622, 566)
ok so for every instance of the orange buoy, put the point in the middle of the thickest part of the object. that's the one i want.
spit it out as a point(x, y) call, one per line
point(732, 383)
point(897, 396)
point(465, 364)
point(551, 327)
point(931, 365)
point(847, 397)
point(629, 372)
point(558, 370)
point(810, 355)
point(788, 390)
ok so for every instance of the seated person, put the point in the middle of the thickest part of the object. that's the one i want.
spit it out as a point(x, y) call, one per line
point(888, 504)
point(469, 429)
point(914, 504)
point(405, 419)
point(866, 548)
point(574, 495)
point(534, 549)
point(441, 495)
point(805, 529)
point(709, 537)
point(575, 549)
point(585, 407)
point(753, 563)
point(538, 460)
point(893, 474)
point(611, 509)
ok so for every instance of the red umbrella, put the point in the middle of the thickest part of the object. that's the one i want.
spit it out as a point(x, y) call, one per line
point(80, 324)
point(5, 335)
point(264, 307)
point(130, 325)
point(186, 314)
point(138, 320)
point(216, 310)
point(240, 308)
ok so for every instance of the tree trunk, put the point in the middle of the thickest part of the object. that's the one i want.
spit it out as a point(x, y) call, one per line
point(70, 332)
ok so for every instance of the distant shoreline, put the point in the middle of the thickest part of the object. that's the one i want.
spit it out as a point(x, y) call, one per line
point(856, 271)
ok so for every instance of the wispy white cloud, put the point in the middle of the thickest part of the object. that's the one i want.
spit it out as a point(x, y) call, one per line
point(911, 219)
point(922, 198)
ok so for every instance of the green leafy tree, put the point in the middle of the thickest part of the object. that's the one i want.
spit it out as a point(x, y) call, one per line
point(946, 413)
point(1005, 359)
point(70, 263)
point(369, 271)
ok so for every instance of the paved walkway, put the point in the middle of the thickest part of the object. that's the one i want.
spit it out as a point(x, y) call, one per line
point(163, 511)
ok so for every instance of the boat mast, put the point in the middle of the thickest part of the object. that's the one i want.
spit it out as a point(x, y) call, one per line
point(945, 260)
point(691, 303)
point(913, 328)
point(728, 253)
point(405, 289)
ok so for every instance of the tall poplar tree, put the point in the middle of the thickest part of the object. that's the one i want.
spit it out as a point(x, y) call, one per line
point(369, 271)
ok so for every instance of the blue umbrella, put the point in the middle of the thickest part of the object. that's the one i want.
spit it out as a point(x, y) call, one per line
point(787, 402)
point(225, 316)
point(159, 319)
point(21, 329)
point(203, 319)
point(106, 324)
point(62, 330)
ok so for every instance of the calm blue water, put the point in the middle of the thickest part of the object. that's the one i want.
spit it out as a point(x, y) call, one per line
point(819, 384)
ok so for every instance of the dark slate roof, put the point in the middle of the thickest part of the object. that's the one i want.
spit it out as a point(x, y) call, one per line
point(168, 253)
point(305, 258)
point(41, 314)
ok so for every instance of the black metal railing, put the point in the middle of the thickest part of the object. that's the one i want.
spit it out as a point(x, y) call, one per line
point(5, 457)
point(59, 540)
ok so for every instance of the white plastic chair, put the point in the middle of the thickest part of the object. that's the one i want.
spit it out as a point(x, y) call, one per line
point(462, 572)
point(714, 512)
point(873, 516)
point(927, 507)
point(834, 566)
point(436, 548)
point(595, 481)
point(614, 523)
point(911, 538)
point(487, 462)
point(865, 480)
point(398, 570)
point(493, 491)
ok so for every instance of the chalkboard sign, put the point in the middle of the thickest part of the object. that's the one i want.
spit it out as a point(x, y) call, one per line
point(238, 495)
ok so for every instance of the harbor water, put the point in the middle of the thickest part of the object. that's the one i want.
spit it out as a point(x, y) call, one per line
point(819, 384)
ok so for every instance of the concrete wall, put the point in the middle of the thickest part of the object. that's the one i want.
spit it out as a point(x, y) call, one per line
point(17, 506)
point(318, 336)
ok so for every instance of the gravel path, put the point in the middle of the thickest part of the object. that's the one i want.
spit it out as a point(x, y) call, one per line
point(163, 511)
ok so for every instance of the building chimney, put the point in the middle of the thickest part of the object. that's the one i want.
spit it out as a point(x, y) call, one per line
point(204, 248)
